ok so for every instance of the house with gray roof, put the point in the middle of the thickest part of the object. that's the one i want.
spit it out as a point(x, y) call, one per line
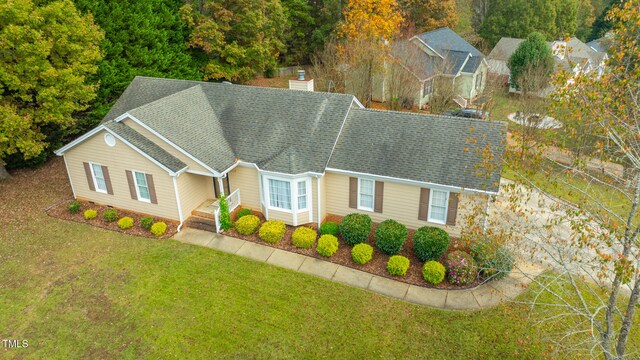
point(171, 148)
point(573, 56)
point(440, 54)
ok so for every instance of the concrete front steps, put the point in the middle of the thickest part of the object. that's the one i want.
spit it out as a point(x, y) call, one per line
point(201, 223)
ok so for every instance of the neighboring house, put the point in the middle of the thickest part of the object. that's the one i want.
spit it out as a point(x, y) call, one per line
point(602, 44)
point(168, 146)
point(440, 53)
point(572, 56)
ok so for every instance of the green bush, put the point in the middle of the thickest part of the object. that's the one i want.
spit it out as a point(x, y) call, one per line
point(329, 227)
point(247, 225)
point(244, 212)
point(433, 272)
point(74, 207)
point(158, 229)
point(125, 223)
point(90, 214)
point(327, 245)
point(362, 253)
point(494, 261)
point(398, 265)
point(461, 268)
point(355, 228)
point(272, 231)
point(430, 243)
point(225, 220)
point(304, 237)
point(390, 236)
point(146, 222)
point(110, 215)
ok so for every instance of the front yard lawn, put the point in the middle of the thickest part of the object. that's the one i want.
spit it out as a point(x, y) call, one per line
point(76, 291)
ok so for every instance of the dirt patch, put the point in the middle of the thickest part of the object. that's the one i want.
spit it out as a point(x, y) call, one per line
point(377, 266)
point(59, 210)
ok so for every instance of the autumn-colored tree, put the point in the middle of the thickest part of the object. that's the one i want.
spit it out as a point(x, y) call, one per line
point(592, 245)
point(366, 32)
point(241, 38)
point(48, 52)
point(427, 15)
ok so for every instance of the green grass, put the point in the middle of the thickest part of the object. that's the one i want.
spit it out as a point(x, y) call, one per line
point(74, 291)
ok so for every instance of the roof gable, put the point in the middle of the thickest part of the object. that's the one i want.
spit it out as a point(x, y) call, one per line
point(444, 39)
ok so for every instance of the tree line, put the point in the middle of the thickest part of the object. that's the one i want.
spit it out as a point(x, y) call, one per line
point(64, 63)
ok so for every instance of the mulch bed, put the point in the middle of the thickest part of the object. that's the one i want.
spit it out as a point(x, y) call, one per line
point(59, 210)
point(377, 265)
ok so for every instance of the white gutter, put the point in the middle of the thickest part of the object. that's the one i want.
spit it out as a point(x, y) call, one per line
point(175, 189)
point(318, 199)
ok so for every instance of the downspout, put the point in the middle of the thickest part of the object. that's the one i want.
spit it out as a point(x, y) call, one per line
point(318, 199)
point(486, 214)
point(175, 188)
point(220, 185)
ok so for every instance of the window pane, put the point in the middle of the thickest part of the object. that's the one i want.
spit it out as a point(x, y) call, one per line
point(302, 195)
point(141, 182)
point(280, 194)
point(100, 183)
point(366, 193)
point(438, 209)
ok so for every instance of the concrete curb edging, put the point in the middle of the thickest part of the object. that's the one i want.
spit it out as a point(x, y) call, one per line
point(482, 296)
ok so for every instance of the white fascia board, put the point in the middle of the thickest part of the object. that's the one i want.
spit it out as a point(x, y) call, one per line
point(198, 172)
point(466, 60)
point(77, 141)
point(412, 182)
point(267, 172)
point(172, 173)
point(357, 102)
point(127, 115)
point(427, 45)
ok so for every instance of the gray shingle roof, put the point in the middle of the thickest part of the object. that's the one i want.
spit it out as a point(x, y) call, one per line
point(418, 147)
point(280, 130)
point(145, 145)
point(453, 48)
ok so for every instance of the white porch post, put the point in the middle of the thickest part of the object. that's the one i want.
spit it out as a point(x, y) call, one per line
point(220, 185)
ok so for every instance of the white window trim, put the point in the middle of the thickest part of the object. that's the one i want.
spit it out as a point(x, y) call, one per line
point(446, 208)
point(268, 193)
point(135, 182)
point(95, 181)
point(306, 194)
point(374, 195)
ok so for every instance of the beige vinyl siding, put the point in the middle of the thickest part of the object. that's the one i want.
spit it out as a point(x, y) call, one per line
point(246, 179)
point(118, 159)
point(166, 147)
point(303, 218)
point(287, 217)
point(400, 202)
point(193, 190)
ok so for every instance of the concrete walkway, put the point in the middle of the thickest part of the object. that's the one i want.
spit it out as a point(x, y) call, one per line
point(482, 296)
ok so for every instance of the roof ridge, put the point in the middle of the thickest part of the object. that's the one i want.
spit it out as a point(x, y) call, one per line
point(455, 118)
point(153, 103)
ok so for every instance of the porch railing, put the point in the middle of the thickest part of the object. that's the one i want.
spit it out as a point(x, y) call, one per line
point(233, 201)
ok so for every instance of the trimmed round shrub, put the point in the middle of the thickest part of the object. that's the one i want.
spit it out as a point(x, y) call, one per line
point(461, 268)
point(304, 237)
point(433, 272)
point(158, 229)
point(390, 236)
point(272, 231)
point(125, 223)
point(247, 225)
point(398, 265)
point(327, 245)
point(146, 222)
point(362, 253)
point(329, 227)
point(74, 207)
point(494, 261)
point(110, 215)
point(355, 228)
point(90, 214)
point(429, 243)
point(244, 212)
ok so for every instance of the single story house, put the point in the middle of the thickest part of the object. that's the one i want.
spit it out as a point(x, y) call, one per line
point(572, 56)
point(169, 146)
point(440, 53)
